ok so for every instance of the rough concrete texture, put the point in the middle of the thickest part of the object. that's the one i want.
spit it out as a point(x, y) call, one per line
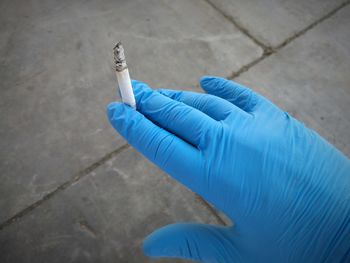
point(57, 76)
point(274, 21)
point(310, 79)
point(104, 217)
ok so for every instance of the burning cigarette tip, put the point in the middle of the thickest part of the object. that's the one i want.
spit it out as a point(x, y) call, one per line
point(119, 57)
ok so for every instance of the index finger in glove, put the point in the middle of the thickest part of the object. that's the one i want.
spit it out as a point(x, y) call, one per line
point(176, 117)
point(166, 150)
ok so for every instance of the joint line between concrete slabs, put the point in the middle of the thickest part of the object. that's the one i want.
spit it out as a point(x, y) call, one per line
point(272, 50)
point(63, 186)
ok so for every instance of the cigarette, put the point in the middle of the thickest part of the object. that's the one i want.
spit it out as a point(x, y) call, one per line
point(123, 77)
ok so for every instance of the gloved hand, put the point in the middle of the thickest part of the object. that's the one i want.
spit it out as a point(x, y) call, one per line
point(285, 188)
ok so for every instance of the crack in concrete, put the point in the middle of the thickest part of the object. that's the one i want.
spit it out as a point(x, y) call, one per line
point(63, 186)
point(85, 226)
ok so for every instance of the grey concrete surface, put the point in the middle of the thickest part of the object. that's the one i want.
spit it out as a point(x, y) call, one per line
point(104, 217)
point(56, 78)
point(274, 21)
point(310, 79)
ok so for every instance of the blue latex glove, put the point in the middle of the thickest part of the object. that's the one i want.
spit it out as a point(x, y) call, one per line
point(285, 188)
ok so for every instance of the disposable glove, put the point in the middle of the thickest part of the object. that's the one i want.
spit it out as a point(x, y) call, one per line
point(285, 188)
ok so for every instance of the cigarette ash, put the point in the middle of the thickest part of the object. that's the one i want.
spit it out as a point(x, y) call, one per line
point(119, 57)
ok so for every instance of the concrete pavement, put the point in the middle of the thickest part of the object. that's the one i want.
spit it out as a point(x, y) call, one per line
point(71, 190)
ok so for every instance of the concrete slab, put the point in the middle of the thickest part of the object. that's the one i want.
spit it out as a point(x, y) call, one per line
point(104, 217)
point(273, 21)
point(310, 79)
point(56, 78)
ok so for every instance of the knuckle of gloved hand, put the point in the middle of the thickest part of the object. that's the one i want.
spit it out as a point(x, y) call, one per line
point(163, 149)
point(210, 135)
point(243, 95)
point(251, 99)
point(202, 102)
point(221, 84)
point(181, 111)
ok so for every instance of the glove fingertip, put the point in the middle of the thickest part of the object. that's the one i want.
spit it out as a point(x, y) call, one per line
point(155, 244)
point(205, 79)
point(119, 114)
point(113, 107)
point(147, 247)
point(134, 82)
point(141, 90)
point(158, 243)
point(209, 82)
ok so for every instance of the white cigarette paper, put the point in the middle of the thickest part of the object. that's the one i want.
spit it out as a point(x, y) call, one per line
point(125, 88)
point(122, 72)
